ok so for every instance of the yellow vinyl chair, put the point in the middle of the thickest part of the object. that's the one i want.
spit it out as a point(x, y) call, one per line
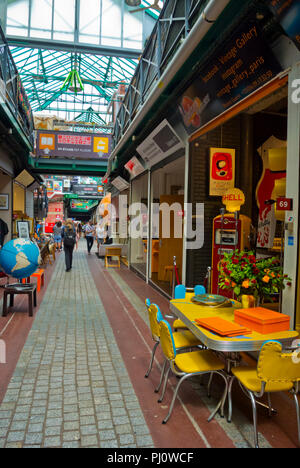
point(182, 340)
point(276, 371)
point(189, 364)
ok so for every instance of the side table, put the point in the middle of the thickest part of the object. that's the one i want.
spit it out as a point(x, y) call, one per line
point(13, 289)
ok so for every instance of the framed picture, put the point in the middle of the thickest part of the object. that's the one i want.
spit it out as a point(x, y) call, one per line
point(222, 171)
point(23, 229)
point(4, 201)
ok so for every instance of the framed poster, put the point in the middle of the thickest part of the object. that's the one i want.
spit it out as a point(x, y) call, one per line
point(222, 171)
point(4, 201)
point(23, 229)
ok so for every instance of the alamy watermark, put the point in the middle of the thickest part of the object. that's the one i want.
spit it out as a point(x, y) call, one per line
point(296, 353)
point(296, 92)
point(2, 352)
point(167, 221)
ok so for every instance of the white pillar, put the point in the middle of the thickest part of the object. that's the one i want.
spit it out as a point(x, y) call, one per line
point(292, 191)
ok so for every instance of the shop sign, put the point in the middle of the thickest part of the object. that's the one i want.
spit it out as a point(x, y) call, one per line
point(73, 145)
point(288, 14)
point(222, 170)
point(233, 199)
point(160, 144)
point(134, 167)
point(284, 204)
point(241, 65)
point(86, 190)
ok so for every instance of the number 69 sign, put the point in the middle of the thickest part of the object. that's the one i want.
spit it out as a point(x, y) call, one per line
point(284, 204)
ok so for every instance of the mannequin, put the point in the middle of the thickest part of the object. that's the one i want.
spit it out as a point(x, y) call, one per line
point(3, 231)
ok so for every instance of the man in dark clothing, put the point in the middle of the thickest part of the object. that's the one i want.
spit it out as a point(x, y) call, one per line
point(69, 238)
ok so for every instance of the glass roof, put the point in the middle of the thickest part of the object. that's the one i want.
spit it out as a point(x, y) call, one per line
point(100, 23)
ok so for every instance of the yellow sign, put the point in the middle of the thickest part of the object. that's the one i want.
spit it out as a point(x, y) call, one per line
point(233, 199)
point(101, 145)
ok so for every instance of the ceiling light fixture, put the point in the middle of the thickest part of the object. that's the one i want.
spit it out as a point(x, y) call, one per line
point(133, 3)
point(73, 81)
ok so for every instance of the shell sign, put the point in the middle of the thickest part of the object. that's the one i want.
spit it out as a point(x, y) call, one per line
point(233, 199)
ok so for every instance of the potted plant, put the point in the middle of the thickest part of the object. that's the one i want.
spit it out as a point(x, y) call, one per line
point(252, 280)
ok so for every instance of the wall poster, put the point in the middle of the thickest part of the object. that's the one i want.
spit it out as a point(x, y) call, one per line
point(222, 170)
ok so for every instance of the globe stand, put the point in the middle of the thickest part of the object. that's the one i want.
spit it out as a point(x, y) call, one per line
point(19, 286)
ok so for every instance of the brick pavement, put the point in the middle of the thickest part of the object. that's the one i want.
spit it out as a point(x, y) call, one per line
point(70, 387)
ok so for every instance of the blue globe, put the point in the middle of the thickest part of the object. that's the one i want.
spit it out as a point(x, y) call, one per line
point(19, 258)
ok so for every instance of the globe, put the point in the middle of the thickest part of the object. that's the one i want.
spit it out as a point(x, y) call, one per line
point(19, 258)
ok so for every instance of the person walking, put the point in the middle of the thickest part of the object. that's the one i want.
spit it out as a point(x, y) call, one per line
point(69, 239)
point(90, 232)
point(79, 229)
point(57, 229)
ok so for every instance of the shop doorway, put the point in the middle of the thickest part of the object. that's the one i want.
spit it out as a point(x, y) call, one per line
point(167, 237)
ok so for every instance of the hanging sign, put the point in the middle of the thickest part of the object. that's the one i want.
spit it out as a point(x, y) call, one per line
point(73, 145)
point(222, 170)
point(243, 63)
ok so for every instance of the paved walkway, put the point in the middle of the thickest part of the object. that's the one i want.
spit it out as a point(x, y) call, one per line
point(70, 387)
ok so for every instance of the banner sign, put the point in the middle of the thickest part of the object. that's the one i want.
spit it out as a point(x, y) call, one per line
point(243, 64)
point(65, 145)
point(86, 190)
point(222, 170)
point(288, 14)
point(83, 205)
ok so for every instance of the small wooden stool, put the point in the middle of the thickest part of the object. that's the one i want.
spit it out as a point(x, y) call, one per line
point(13, 289)
point(113, 252)
point(40, 275)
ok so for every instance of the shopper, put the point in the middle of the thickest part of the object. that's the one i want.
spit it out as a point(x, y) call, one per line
point(57, 229)
point(69, 239)
point(100, 233)
point(90, 233)
point(79, 229)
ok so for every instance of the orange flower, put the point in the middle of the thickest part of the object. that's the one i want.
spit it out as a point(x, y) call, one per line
point(245, 284)
point(266, 279)
point(273, 275)
point(233, 284)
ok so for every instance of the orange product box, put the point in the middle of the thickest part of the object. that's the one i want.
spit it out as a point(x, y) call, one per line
point(262, 320)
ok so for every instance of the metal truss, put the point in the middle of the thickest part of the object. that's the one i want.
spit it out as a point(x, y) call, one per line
point(12, 92)
point(173, 26)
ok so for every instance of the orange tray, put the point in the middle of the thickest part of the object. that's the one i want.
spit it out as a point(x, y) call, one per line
point(262, 320)
point(222, 327)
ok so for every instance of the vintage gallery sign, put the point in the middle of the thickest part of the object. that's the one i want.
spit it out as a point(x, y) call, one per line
point(241, 65)
point(73, 145)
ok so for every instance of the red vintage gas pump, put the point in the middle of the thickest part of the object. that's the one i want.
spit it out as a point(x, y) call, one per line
point(231, 231)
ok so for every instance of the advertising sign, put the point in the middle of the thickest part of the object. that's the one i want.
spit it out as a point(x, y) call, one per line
point(160, 144)
point(288, 14)
point(86, 190)
point(73, 145)
point(241, 65)
point(222, 170)
point(83, 205)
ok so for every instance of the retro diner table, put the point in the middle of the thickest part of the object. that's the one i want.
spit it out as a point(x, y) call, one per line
point(187, 311)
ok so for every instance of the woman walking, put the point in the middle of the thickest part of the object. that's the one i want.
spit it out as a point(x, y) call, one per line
point(69, 239)
point(57, 229)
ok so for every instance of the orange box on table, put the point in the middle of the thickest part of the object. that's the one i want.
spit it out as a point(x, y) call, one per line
point(262, 320)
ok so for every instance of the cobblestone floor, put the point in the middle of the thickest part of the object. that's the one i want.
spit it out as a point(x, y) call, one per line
point(70, 387)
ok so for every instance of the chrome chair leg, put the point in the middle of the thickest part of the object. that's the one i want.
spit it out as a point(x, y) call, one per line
point(175, 396)
point(161, 377)
point(254, 410)
point(297, 414)
point(230, 398)
point(152, 359)
point(165, 385)
point(221, 404)
point(209, 385)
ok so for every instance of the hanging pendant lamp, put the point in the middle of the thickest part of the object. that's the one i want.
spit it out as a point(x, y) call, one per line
point(73, 81)
point(133, 3)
